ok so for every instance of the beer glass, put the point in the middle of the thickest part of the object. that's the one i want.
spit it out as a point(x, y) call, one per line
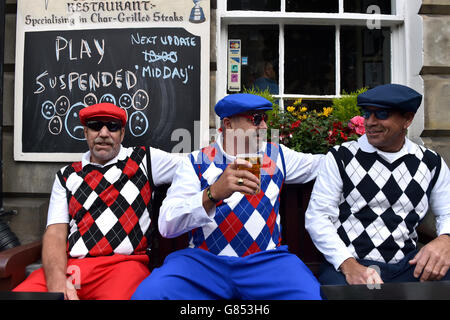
point(256, 160)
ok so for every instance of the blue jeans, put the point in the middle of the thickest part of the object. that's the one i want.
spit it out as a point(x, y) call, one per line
point(200, 275)
point(398, 272)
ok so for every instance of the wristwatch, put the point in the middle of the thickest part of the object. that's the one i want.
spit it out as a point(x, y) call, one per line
point(208, 193)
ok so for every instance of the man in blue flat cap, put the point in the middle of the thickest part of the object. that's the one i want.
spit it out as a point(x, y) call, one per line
point(371, 194)
point(231, 215)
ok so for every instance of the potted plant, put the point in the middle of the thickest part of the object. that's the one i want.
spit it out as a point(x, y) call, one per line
point(316, 131)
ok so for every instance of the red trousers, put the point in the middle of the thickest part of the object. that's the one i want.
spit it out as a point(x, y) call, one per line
point(113, 277)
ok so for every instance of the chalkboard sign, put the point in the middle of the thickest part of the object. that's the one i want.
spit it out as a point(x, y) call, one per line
point(151, 58)
point(152, 73)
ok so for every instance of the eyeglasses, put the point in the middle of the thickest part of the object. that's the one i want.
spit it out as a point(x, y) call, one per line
point(379, 114)
point(256, 118)
point(97, 125)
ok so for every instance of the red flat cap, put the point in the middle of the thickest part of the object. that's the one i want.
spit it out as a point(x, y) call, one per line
point(103, 110)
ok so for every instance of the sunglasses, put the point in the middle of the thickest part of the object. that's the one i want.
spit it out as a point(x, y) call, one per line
point(379, 114)
point(97, 125)
point(256, 118)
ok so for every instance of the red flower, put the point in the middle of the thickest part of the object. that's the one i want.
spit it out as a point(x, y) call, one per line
point(337, 125)
point(295, 124)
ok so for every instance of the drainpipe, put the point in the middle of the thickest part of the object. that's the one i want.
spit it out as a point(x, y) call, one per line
point(2, 57)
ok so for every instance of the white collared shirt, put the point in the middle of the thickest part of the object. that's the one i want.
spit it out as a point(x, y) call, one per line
point(182, 210)
point(163, 168)
point(326, 195)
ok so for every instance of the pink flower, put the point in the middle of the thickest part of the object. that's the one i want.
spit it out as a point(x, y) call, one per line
point(357, 123)
point(357, 120)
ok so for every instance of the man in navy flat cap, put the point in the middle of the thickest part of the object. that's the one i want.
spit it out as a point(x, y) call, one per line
point(371, 194)
point(231, 215)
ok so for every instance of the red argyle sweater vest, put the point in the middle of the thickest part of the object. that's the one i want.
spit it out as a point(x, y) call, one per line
point(243, 224)
point(108, 207)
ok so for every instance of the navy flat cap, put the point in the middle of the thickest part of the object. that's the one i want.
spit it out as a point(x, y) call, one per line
point(239, 103)
point(391, 96)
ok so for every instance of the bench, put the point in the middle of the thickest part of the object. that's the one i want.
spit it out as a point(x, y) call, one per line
point(294, 201)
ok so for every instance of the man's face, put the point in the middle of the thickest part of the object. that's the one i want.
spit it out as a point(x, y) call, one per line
point(103, 144)
point(247, 136)
point(387, 135)
point(269, 71)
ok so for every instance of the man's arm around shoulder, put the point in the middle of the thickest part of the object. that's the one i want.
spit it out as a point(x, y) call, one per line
point(164, 166)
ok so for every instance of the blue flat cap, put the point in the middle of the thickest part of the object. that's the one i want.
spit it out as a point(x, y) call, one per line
point(239, 103)
point(391, 96)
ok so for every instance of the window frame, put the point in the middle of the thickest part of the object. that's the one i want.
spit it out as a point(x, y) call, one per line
point(406, 44)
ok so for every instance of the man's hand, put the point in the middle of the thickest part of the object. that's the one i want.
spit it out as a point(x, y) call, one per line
point(59, 282)
point(356, 273)
point(433, 260)
point(63, 285)
point(228, 183)
point(71, 292)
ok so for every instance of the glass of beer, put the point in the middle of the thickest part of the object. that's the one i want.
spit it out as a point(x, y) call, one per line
point(256, 160)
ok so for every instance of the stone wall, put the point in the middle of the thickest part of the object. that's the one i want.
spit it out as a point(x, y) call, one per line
point(26, 185)
point(436, 75)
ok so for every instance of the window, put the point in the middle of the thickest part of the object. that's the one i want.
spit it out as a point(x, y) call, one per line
point(313, 49)
point(309, 60)
point(312, 6)
point(261, 5)
point(365, 57)
point(360, 6)
point(260, 47)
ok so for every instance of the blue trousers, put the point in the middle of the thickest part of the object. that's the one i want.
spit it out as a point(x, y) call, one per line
point(398, 272)
point(195, 274)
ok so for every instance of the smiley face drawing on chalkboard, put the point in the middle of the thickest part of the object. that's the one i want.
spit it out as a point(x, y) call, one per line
point(125, 101)
point(108, 98)
point(62, 105)
point(138, 123)
point(55, 125)
point(72, 122)
point(48, 109)
point(90, 99)
point(140, 100)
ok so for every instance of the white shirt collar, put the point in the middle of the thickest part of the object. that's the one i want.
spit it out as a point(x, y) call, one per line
point(408, 148)
point(219, 141)
point(86, 159)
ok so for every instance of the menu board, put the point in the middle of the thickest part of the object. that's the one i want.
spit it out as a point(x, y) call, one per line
point(147, 59)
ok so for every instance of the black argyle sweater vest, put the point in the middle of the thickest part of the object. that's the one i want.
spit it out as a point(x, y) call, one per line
point(382, 203)
point(108, 206)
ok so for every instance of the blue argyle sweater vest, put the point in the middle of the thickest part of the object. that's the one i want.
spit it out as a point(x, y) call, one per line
point(382, 203)
point(243, 224)
point(108, 206)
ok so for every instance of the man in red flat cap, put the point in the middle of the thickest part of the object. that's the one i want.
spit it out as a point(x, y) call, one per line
point(95, 243)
